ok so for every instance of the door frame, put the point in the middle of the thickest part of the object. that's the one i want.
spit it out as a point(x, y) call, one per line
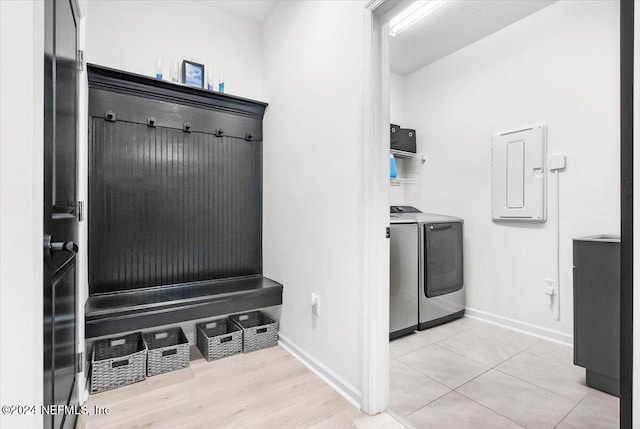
point(375, 268)
point(375, 374)
point(629, 33)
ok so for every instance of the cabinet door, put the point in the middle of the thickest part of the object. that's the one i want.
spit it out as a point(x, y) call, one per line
point(596, 306)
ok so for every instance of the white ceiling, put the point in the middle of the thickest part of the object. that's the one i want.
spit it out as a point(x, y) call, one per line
point(252, 10)
point(452, 26)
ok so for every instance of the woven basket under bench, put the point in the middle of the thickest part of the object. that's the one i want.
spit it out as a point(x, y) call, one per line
point(259, 330)
point(116, 362)
point(219, 338)
point(168, 350)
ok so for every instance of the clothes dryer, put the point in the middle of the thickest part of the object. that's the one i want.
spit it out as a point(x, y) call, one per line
point(441, 294)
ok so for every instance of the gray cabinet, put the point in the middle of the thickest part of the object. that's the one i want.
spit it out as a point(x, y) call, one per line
point(596, 310)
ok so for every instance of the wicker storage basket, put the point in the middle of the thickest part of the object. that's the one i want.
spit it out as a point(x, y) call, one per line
point(168, 350)
point(219, 338)
point(116, 362)
point(259, 331)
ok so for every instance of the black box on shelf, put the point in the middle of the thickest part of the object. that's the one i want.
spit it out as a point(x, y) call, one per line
point(394, 134)
point(403, 139)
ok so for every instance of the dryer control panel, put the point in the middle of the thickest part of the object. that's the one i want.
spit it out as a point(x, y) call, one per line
point(404, 209)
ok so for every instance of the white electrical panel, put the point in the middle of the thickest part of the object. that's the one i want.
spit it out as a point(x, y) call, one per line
point(519, 175)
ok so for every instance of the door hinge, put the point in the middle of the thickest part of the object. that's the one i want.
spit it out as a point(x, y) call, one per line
point(79, 358)
point(80, 211)
point(388, 232)
point(80, 60)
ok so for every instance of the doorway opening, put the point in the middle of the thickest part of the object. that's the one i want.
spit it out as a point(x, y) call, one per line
point(525, 71)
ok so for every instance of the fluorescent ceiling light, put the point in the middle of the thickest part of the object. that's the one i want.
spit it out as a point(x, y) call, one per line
point(412, 14)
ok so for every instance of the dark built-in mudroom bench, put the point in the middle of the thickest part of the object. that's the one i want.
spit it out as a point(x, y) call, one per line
point(175, 204)
point(113, 313)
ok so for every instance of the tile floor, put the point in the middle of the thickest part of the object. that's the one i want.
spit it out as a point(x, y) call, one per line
point(472, 374)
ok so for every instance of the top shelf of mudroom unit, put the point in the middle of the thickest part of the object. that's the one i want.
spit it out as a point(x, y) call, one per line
point(408, 155)
point(123, 82)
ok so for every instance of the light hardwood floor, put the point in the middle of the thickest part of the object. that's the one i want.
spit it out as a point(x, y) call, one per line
point(264, 389)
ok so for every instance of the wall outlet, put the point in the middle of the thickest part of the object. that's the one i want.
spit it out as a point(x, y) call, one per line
point(315, 304)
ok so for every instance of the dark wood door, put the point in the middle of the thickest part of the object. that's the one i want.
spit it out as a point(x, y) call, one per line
point(60, 209)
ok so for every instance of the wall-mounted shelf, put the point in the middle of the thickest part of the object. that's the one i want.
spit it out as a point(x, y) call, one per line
point(401, 180)
point(409, 167)
point(408, 155)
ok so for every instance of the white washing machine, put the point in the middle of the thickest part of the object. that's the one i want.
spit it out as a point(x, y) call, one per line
point(440, 264)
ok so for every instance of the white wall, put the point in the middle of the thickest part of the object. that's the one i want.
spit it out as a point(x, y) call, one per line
point(559, 67)
point(133, 35)
point(396, 114)
point(21, 161)
point(313, 196)
point(396, 94)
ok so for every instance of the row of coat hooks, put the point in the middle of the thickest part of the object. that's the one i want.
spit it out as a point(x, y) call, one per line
point(186, 127)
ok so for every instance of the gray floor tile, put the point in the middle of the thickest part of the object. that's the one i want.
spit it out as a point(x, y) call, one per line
point(439, 333)
point(566, 380)
point(516, 339)
point(596, 411)
point(455, 411)
point(528, 405)
point(552, 350)
point(410, 389)
point(402, 419)
point(444, 366)
point(481, 349)
point(403, 345)
point(534, 384)
point(466, 323)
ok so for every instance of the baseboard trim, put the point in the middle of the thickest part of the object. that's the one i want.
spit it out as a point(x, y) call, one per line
point(516, 325)
point(337, 383)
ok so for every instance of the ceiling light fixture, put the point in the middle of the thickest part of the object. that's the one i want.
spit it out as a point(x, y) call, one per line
point(412, 14)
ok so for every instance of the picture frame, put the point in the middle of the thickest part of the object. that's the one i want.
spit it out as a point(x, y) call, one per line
point(193, 74)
